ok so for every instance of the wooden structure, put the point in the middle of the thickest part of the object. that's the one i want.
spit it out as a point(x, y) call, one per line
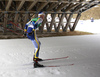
point(14, 13)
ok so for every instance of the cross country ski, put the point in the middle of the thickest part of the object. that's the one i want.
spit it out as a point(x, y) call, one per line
point(55, 65)
point(50, 59)
point(59, 65)
point(56, 58)
point(66, 57)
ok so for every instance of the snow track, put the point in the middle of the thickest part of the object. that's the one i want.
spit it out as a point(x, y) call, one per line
point(84, 51)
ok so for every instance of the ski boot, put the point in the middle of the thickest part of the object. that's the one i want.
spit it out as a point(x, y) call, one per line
point(37, 59)
point(36, 64)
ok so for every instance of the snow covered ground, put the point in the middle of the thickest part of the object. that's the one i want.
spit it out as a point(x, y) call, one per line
point(88, 26)
point(84, 51)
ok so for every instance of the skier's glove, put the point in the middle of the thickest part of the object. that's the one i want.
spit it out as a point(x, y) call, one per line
point(25, 34)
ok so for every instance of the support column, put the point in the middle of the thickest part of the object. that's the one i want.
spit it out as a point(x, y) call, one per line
point(76, 21)
point(52, 22)
point(5, 22)
point(25, 21)
point(17, 15)
point(60, 22)
point(68, 22)
point(47, 26)
point(6, 15)
point(15, 21)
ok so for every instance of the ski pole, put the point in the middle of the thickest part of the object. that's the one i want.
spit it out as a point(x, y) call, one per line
point(13, 31)
point(15, 24)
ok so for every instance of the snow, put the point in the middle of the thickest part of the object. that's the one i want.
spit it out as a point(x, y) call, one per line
point(84, 51)
point(88, 26)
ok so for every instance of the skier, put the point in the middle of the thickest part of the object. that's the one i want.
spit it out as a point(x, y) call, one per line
point(30, 31)
point(92, 19)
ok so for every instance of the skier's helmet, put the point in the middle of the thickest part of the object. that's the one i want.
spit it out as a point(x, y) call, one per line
point(41, 15)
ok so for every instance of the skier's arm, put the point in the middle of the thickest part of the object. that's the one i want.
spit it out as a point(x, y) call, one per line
point(25, 29)
point(26, 26)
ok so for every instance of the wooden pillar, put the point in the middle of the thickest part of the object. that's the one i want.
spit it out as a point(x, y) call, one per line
point(5, 22)
point(25, 20)
point(47, 26)
point(76, 21)
point(60, 22)
point(17, 15)
point(52, 22)
point(68, 22)
point(6, 15)
point(55, 26)
point(15, 20)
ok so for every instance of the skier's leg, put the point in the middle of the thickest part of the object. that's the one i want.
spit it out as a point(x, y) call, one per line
point(36, 51)
point(36, 54)
point(37, 47)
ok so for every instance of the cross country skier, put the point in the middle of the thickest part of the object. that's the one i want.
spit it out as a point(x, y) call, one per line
point(30, 31)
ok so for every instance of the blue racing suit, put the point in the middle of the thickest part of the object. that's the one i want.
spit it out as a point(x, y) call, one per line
point(30, 29)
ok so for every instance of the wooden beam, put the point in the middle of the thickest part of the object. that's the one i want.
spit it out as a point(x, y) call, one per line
point(63, 1)
point(60, 22)
point(71, 6)
point(61, 6)
point(49, 12)
point(68, 22)
point(47, 26)
point(52, 21)
point(32, 5)
point(52, 5)
point(79, 6)
point(8, 5)
point(3, 4)
point(25, 20)
point(5, 22)
point(76, 21)
point(20, 5)
point(15, 20)
point(6, 15)
point(17, 15)
point(42, 5)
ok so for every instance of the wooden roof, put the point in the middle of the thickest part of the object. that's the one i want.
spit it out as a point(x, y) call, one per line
point(48, 6)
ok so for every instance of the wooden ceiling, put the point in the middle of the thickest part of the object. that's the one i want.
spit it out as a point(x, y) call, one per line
point(48, 6)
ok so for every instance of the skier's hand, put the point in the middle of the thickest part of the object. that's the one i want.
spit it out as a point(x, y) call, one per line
point(24, 34)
